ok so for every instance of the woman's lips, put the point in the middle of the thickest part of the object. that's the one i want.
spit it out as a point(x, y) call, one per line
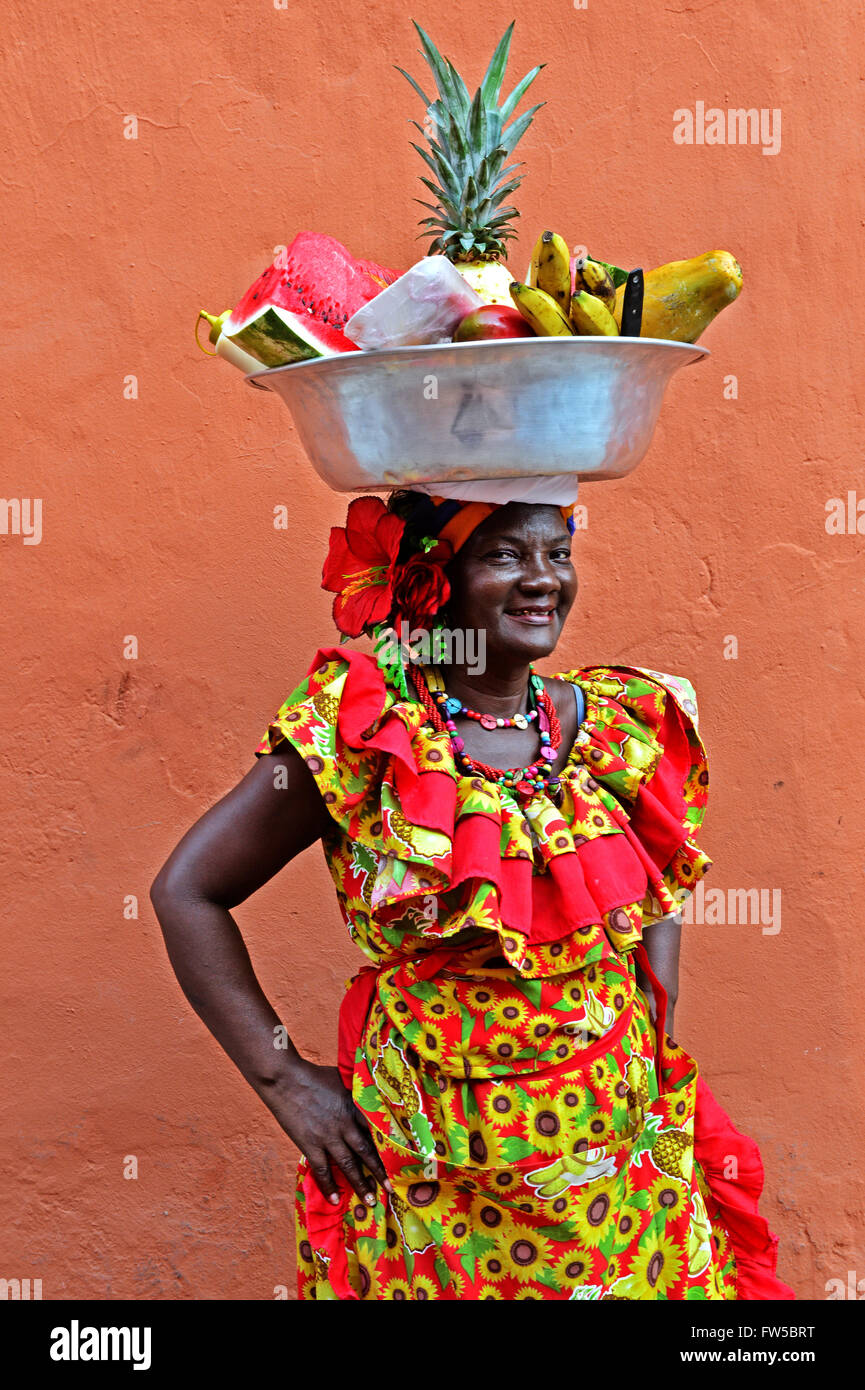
point(535, 617)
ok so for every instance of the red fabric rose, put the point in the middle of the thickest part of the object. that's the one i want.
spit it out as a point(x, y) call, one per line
point(421, 586)
point(359, 567)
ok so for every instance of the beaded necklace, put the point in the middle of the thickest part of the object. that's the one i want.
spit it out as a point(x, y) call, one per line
point(452, 707)
point(524, 781)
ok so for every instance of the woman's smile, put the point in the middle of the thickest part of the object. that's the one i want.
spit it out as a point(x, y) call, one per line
point(536, 616)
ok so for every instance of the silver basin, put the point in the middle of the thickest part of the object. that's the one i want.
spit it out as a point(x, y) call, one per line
point(529, 407)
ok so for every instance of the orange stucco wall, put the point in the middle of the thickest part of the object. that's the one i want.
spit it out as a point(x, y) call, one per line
point(252, 123)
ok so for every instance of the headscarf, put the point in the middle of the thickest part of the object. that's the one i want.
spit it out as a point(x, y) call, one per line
point(457, 519)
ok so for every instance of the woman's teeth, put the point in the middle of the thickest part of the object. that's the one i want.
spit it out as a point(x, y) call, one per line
point(531, 615)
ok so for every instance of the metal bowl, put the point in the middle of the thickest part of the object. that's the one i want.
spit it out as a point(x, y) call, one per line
point(529, 408)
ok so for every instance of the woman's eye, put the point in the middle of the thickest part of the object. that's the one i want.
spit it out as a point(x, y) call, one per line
point(505, 553)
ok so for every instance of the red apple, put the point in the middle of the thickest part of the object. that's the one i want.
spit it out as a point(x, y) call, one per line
point(492, 321)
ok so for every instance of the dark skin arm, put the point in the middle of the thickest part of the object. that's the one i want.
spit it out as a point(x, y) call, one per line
point(274, 813)
point(662, 941)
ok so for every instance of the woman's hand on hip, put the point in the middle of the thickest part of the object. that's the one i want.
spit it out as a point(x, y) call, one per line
point(318, 1114)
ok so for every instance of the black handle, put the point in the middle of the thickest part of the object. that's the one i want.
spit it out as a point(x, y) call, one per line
point(632, 305)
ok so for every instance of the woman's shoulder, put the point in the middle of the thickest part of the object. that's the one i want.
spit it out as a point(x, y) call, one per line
point(343, 689)
point(354, 669)
point(641, 730)
point(368, 748)
point(346, 716)
point(640, 690)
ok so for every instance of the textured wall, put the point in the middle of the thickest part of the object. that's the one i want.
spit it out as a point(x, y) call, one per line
point(252, 123)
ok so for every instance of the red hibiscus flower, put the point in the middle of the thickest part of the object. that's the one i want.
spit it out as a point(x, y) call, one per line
point(421, 585)
point(359, 567)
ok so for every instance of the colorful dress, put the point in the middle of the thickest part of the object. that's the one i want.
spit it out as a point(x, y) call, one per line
point(541, 1140)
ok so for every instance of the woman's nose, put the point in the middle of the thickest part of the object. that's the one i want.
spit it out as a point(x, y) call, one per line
point(539, 575)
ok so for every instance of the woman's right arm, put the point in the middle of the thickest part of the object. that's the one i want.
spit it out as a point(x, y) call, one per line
point(239, 844)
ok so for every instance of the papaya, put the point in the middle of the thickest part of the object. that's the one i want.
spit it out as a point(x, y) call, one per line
point(680, 299)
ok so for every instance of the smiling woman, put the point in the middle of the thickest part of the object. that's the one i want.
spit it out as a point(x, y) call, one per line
point(510, 1117)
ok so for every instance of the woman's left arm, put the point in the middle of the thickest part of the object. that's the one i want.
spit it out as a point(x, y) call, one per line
point(662, 940)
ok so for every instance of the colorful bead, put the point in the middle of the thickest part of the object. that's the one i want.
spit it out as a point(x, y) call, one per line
point(451, 706)
point(521, 781)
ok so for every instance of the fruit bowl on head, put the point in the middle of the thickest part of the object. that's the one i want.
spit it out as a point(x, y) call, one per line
point(456, 417)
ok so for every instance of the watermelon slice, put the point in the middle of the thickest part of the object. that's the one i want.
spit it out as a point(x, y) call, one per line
point(297, 309)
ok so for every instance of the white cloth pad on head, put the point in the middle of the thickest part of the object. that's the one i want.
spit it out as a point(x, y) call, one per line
point(559, 491)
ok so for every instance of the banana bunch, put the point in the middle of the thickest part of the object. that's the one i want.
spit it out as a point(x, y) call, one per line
point(561, 299)
point(596, 1019)
point(576, 295)
point(571, 1170)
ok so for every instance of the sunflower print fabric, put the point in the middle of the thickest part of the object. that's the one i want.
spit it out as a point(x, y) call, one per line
point(538, 1144)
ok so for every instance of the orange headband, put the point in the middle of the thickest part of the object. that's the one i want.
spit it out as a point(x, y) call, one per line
point(470, 516)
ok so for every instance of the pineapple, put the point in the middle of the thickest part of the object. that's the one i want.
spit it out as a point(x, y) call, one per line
point(669, 1151)
point(402, 829)
point(326, 706)
point(468, 146)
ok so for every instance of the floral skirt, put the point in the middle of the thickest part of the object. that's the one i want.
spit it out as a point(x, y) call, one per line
point(576, 1179)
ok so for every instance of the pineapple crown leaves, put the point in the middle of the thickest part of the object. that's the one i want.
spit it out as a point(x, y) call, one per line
point(467, 158)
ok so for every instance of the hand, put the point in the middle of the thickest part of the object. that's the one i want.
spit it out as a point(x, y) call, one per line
point(318, 1114)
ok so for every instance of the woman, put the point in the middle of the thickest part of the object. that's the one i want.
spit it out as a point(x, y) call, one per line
point(508, 1119)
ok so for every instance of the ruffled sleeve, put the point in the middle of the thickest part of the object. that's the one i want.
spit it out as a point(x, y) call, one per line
point(307, 721)
point(377, 778)
point(642, 741)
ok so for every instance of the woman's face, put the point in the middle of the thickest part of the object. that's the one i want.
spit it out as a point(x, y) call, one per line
point(513, 577)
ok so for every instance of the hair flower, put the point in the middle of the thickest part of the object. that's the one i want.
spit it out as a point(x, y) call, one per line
point(360, 563)
point(421, 586)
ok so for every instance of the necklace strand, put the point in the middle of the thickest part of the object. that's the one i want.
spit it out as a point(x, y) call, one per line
point(451, 707)
point(524, 781)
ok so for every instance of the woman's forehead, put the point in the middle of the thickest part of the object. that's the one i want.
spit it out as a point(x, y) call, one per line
point(522, 521)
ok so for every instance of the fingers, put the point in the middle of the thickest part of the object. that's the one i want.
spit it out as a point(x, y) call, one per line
point(360, 1139)
point(351, 1148)
point(320, 1169)
point(350, 1164)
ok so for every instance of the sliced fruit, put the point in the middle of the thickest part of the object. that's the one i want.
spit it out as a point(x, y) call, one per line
point(489, 279)
point(298, 308)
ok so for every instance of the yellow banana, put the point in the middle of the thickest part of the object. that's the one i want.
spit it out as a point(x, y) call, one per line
point(596, 280)
point(699, 1237)
point(541, 311)
point(591, 316)
point(551, 268)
